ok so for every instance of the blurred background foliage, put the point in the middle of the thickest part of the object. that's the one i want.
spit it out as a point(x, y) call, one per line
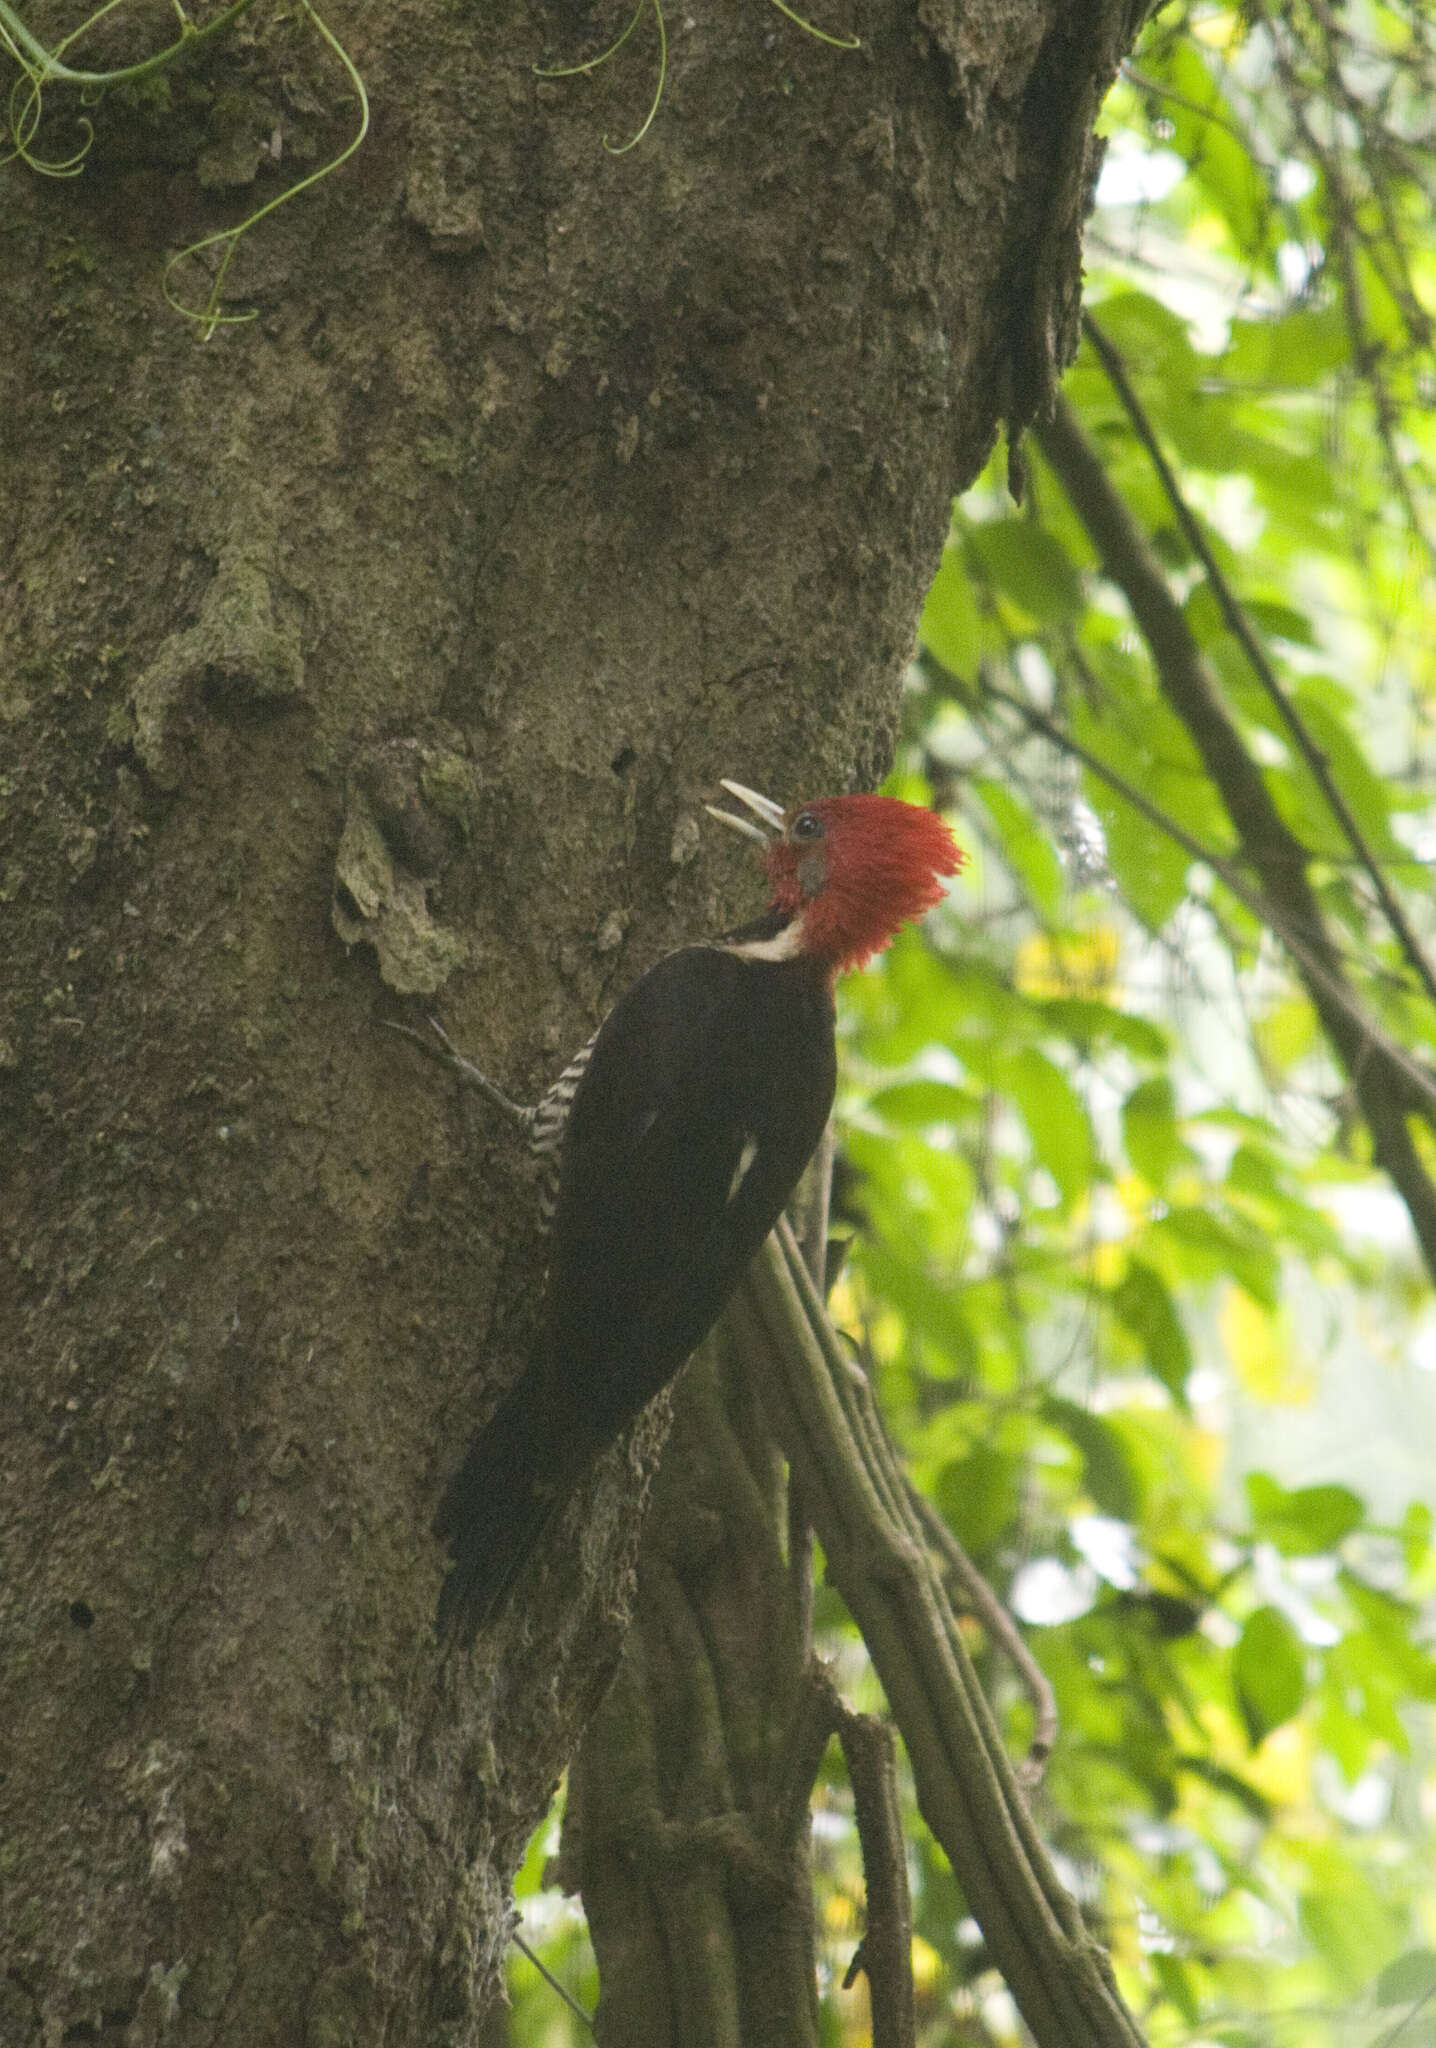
point(1137, 1134)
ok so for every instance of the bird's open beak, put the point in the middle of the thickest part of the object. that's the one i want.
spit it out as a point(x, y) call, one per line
point(763, 807)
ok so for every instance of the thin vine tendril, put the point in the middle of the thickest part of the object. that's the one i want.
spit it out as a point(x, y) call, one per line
point(819, 34)
point(592, 63)
point(623, 148)
point(209, 317)
point(44, 67)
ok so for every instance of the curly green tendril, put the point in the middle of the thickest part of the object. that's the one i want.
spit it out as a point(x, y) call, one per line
point(592, 63)
point(226, 240)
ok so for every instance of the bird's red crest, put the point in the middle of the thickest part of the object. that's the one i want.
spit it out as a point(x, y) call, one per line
point(856, 869)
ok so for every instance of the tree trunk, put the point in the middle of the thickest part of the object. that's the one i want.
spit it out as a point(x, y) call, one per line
point(388, 643)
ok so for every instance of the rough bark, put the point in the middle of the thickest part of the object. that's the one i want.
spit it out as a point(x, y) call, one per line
point(389, 642)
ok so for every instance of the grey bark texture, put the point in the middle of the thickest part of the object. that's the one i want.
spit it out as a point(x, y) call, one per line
point(384, 646)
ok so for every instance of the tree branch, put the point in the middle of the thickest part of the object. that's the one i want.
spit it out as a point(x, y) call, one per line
point(884, 1955)
point(822, 1413)
point(977, 1598)
point(1417, 1083)
point(1241, 629)
point(1382, 1083)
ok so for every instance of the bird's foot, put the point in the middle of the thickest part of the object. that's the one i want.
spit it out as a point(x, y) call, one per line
point(448, 1054)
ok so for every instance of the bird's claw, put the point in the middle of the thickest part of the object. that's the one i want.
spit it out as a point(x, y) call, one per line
point(448, 1055)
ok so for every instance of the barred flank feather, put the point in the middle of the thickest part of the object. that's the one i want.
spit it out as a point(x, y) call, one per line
point(550, 1121)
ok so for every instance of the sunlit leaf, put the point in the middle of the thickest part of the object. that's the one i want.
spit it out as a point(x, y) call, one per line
point(1153, 340)
point(1268, 1672)
point(1149, 1130)
point(1351, 1924)
point(922, 1103)
point(1303, 1520)
point(1080, 965)
point(931, 1310)
point(949, 624)
point(1212, 1246)
point(1293, 351)
point(1089, 1024)
point(1025, 846)
point(1057, 1122)
point(1144, 1304)
point(1175, 1978)
point(1207, 129)
point(1366, 793)
point(1106, 1473)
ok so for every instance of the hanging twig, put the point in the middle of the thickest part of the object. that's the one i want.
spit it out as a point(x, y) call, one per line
point(549, 1978)
point(884, 1955)
point(1386, 1081)
point(1414, 1084)
point(1241, 629)
point(978, 1598)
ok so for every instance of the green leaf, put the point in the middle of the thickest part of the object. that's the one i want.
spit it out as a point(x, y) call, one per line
point(1106, 1473)
point(910, 1190)
point(1057, 1123)
point(1026, 847)
point(1303, 1522)
point(1175, 1978)
point(950, 627)
point(1154, 341)
point(1280, 621)
point(1268, 1672)
point(1210, 1246)
point(1146, 1308)
point(1209, 132)
point(1276, 620)
point(1410, 1979)
point(1416, 1536)
point(924, 1103)
point(1147, 862)
point(1293, 352)
point(1366, 793)
point(977, 1494)
point(1233, 1784)
point(1390, 1626)
point(1088, 1023)
point(1355, 1929)
point(930, 1310)
point(1149, 1130)
point(1030, 566)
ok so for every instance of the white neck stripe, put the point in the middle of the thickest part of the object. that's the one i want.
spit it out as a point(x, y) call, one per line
point(784, 945)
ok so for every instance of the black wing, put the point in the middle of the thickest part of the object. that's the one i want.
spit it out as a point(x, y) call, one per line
point(705, 1096)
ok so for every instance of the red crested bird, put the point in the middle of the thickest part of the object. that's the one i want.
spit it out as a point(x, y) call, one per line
point(669, 1146)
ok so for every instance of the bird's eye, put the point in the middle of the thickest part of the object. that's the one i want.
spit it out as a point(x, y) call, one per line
point(807, 826)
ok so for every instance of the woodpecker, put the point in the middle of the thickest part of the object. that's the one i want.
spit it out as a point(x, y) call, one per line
point(667, 1149)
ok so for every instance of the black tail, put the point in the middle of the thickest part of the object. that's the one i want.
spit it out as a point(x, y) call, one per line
point(497, 1507)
